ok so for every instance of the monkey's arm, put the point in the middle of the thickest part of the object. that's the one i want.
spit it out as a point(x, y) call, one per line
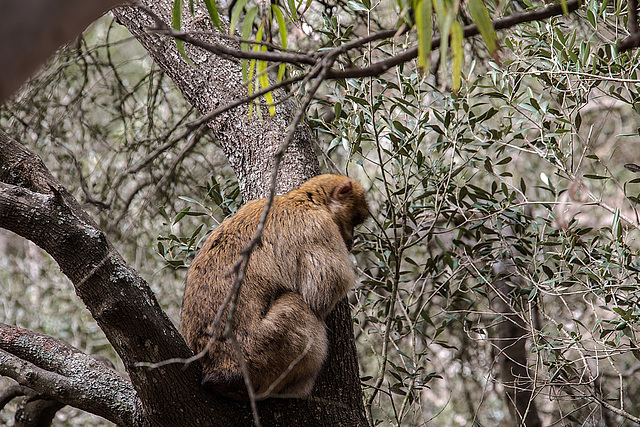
point(325, 271)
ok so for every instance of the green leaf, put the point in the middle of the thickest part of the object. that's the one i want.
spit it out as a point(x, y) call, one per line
point(444, 42)
point(264, 83)
point(176, 24)
point(235, 16)
point(565, 9)
point(594, 176)
point(480, 15)
point(213, 13)
point(424, 16)
point(176, 19)
point(282, 26)
point(247, 73)
point(458, 53)
point(632, 167)
point(356, 6)
point(293, 10)
point(282, 29)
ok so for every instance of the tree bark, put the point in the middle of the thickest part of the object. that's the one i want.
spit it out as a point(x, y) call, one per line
point(63, 373)
point(512, 341)
point(248, 143)
point(34, 205)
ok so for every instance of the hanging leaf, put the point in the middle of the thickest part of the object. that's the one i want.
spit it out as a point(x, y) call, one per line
point(246, 33)
point(282, 29)
point(565, 9)
point(176, 24)
point(293, 10)
point(444, 42)
point(458, 53)
point(213, 13)
point(480, 15)
point(424, 15)
point(264, 83)
point(235, 16)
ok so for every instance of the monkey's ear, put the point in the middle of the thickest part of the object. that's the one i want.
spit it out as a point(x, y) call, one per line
point(342, 191)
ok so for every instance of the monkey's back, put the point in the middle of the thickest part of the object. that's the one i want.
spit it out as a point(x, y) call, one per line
point(302, 260)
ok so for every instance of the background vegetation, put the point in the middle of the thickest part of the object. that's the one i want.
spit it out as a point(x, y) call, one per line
point(505, 203)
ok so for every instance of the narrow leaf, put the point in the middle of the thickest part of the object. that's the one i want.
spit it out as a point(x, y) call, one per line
point(246, 32)
point(264, 83)
point(444, 42)
point(176, 19)
point(424, 14)
point(235, 16)
point(458, 53)
point(565, 9)
point(480, 15)
point(282, 29)
point(632, 167)
point(293, 10)
point(356, 6)
point(282, 26)
point(176, 24)
point(213, 13)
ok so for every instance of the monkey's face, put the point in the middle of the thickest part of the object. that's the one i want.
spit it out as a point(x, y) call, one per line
point(351, 211)
point(358, 214)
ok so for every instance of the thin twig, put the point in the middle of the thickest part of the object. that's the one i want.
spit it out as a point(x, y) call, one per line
point(247, 379)
point(284, 374)
point(244, 100)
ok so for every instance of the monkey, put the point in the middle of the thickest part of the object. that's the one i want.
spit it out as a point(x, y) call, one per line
point(294, 278)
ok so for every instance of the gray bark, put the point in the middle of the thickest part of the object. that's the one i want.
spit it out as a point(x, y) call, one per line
point(248, 143)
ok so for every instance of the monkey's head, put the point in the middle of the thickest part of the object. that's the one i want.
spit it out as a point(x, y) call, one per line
point(344, 199)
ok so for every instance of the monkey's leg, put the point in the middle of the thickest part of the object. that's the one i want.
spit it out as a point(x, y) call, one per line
point(287, 348)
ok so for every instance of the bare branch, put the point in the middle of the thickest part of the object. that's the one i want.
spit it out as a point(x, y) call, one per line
point(12, 392)
point(373, 70)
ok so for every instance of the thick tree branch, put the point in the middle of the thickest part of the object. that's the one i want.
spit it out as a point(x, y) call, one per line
point(249, 144)
point(59, 371)
point(34, 205)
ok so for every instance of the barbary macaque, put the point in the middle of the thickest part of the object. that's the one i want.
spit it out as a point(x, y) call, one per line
point(295, 276)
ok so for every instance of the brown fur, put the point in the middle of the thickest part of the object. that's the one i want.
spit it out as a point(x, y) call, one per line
point(294, 279)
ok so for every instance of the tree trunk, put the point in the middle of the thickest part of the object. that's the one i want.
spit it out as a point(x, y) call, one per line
point(514, 371)
point(36, 206)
